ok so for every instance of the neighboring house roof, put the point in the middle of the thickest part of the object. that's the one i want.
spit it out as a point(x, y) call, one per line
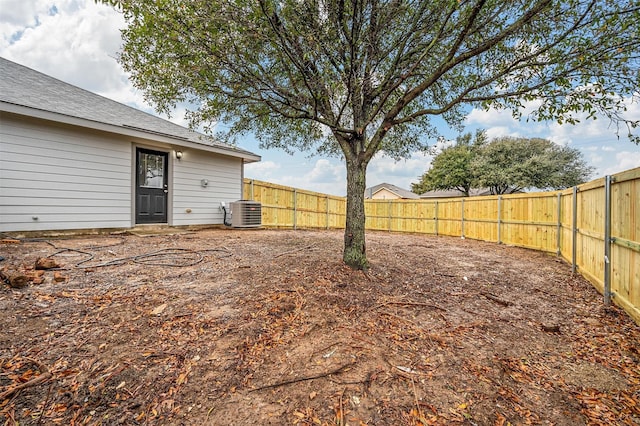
point(454, 193)
point(401, 193)
point(28, 92)
point(450, 193)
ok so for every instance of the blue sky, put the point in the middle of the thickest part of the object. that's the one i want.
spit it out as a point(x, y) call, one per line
point(77, 41)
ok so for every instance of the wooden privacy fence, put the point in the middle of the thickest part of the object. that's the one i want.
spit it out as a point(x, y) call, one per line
point(594, 226)
point(286, 207)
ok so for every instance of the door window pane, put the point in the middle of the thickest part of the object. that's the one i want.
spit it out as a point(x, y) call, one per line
point(151, 170)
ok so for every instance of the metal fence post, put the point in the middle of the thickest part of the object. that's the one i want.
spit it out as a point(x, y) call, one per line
point(607, 239)
point(499, 215)
point(327, 212)
point(436, 218)
point(574, 227)
point(462, 222)
point(295, 208)
point(559, 227)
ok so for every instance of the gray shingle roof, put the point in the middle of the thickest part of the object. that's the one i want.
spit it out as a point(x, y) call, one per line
point(401, 193)
point(454, 193)
point(26, 87)
point(451, 193)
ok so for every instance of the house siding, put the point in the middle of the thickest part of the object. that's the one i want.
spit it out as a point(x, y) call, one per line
point(384, 194)
point(64, 177)
point(224, 175)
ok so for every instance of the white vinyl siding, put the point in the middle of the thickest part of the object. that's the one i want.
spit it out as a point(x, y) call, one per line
point(225, 184)
point(66, 178)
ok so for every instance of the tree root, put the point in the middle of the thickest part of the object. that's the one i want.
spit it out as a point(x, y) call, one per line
point(304, 378)
point(43, 377)
point(496, 299)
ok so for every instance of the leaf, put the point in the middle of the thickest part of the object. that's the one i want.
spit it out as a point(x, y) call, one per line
point(182, 378)
point(328, 355)
point(406, 369)
point(159, 309)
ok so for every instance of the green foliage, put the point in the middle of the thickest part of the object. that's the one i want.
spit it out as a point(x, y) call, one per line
point(452, 168)
point(518, 163)
point(354, 78)
point(504, 164)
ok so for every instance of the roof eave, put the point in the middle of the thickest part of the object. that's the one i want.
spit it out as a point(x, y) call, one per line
point(246, 156)
point(390, 190)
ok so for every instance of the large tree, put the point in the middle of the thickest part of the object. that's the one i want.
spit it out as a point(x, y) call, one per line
point(504, 165)
point(357, 77)
point(451, 168)
point(511, 164)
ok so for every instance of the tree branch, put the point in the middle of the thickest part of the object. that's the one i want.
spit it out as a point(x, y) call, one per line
point(304, 378)
point(45, 375)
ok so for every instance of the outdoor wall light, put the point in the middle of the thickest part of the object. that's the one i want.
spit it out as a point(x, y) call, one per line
point(178, 154)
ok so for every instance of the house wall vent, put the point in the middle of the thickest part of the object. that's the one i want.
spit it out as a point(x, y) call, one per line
point(246, 214)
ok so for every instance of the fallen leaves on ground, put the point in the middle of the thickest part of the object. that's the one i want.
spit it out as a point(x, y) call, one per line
point(271, 328)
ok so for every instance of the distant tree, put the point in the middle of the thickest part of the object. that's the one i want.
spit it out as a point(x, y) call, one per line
point(451, 168)
point(512, 164)
point(503, 165)
point(358, 77)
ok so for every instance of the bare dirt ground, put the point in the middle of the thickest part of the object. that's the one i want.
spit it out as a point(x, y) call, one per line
point(266, 327)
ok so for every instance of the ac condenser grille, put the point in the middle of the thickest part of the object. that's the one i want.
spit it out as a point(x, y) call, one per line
point(246, 214)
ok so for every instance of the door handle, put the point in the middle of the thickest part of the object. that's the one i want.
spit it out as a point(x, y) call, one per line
point(165, 191)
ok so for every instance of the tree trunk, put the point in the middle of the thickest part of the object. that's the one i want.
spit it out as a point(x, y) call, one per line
point(354, 239)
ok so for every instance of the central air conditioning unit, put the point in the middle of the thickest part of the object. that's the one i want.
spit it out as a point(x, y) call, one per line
point(246, 214)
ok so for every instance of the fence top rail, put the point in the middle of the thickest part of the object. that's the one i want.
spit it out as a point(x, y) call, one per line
point(479, 198)
point(595, 184)
point(546, 194)
point(626, 175)
point(291, 189)
point(600, 182)
point(398, 200)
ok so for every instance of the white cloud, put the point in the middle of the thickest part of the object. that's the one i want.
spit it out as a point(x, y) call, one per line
point(325, 171)
point(383, 169)
point(77, 43)
point(20, 14)
point(501, 131)
point(589, 136)
point(262, 169)
point(624, 160)
point(595, 159)
point(325, 175)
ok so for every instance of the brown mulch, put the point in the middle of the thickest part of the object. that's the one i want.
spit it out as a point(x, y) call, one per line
point(266, 327)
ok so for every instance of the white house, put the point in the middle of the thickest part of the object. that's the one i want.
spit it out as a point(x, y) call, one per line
point(71, 159)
